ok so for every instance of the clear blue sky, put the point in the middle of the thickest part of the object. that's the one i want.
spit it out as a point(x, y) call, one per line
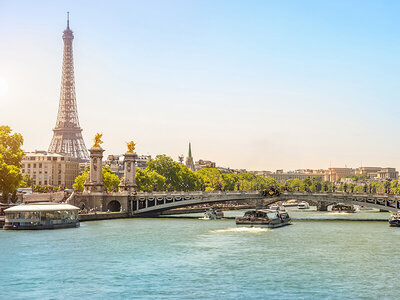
point(252, 84)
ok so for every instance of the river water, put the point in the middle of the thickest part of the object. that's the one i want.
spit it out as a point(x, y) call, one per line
point(198, 259)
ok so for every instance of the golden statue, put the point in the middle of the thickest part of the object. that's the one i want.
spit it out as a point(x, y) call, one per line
point(97, 140)
point(131, 146)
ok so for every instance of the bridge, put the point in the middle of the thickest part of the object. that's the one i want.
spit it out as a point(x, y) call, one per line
point(153, 204)
point(143, 204)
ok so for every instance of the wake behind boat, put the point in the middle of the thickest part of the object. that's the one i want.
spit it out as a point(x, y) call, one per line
point(264, 218)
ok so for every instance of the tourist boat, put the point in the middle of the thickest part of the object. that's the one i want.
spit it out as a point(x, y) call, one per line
point(290, 203)
point(277, 207)
point(303, 205)
point(264, 218)
point(394, 220)
point(213, 214)
point(345, 208)
point(42, 215)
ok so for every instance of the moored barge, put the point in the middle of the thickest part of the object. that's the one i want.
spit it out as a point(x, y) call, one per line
point(44, 215)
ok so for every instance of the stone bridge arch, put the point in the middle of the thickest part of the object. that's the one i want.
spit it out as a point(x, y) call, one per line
point(114, 206)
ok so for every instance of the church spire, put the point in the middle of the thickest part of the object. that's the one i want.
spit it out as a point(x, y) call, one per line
point(189, 159)
point(190, 150)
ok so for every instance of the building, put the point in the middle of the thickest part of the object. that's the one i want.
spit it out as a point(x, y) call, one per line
point(388, 173)
point(189, 160)
point(378, 172)
point(67, 138)
point(204, 164)
point(262, 173)
point(283, 176)
point(334, 174)
point(141, 161)
point(116, 163)
point(50, 168)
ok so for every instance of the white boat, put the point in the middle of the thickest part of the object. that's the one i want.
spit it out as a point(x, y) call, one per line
point(213, 214)
point(42, 215)
point(303, 205)
point(277, 208)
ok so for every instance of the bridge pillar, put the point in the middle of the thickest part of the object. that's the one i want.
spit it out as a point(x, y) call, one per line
point(322, 206)
point(128, 182)
point(94, 182)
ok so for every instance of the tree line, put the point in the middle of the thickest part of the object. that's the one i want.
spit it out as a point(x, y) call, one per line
point(164, 174)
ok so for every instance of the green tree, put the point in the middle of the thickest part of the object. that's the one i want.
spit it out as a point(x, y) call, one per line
point(271, 183)
point(168, 168)
point(110, 180)
point(26, 181)
point(148, 181)
point(10, 161)
point(292, 185)
point(231, 181)
point(387, 186)
point(80, 180)
point(394, 189)
point(189, 181)
point(212, 179)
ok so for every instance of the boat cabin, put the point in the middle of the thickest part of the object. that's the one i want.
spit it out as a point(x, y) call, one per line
point(44, 215)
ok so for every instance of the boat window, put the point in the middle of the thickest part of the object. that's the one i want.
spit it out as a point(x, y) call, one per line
point(272, 215)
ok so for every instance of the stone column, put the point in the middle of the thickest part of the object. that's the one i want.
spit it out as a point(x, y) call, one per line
point(128, 182)
point(94, 182)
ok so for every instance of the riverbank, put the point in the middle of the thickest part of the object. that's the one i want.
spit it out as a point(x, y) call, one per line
point(102, 216)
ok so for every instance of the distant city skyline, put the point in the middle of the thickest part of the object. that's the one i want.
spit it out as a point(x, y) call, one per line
point(256, 85)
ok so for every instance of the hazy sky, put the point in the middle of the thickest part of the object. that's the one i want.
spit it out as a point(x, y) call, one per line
point(261, 85)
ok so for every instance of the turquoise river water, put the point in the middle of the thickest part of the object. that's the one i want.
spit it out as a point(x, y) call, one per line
point(175, 258)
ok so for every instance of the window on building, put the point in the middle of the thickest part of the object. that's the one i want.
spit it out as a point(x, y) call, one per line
point(34, 165)
point(40, 165)
point(29, 165)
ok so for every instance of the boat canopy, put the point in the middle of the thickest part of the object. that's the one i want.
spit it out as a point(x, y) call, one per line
point(41, 207)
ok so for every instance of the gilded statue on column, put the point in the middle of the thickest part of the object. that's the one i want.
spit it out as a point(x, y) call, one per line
point(131, 146)
point(97, 140)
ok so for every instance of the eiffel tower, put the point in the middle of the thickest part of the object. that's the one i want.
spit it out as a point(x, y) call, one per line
point(67, 138)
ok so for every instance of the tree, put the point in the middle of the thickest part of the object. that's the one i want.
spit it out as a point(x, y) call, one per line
point(110, 180)
point(292, 185)
point(387, 186)
point(26, 181)
point(212, 179)
point(167, 167)
point(188, 179)
point(10, 161)
point(230, 181)
point(394, 189)
point(80, 180)
point(148, 181)
point(271, 183)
